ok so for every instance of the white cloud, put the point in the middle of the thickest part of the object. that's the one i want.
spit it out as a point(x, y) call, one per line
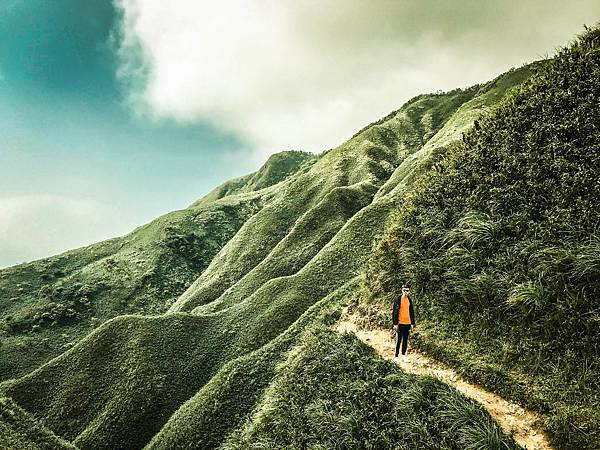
point(34, 226)
point(306, 75)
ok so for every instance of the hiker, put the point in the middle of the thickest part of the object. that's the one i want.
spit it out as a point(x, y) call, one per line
point(403, 318)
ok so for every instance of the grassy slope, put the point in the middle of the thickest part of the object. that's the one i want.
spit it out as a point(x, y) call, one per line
point(227, 400)
point(416, 135)
point(364, 163)
point(502, 245)
point(277, 168)
point(323, 215)
point(19, 431)
point(307, 237)
point(333, 392)
point(50, 304)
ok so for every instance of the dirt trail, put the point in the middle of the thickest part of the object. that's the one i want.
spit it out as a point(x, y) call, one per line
point(524, 425)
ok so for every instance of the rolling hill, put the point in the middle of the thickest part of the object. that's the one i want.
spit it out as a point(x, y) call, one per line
point(210, 327)
point(50, 304)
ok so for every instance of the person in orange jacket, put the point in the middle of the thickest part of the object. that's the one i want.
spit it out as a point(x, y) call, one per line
point(403, 318)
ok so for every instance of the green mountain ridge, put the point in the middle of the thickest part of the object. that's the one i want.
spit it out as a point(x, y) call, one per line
point(50, 304)
point(276, 169)
point(194, 331)
point(310, 236)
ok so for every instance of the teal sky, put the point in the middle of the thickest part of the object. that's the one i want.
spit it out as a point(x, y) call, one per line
point(76, 164)
point(113, 112)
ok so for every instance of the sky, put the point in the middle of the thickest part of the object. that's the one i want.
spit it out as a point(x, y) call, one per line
point(113, 112)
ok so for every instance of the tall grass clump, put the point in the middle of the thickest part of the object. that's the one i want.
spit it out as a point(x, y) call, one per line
point(473, 228)
point(463, 415)
point(528, 296)
point(586, 263)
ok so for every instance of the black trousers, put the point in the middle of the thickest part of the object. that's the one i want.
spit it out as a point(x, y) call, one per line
point(402, 337)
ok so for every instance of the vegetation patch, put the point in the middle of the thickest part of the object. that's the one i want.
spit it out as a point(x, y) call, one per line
point(20, 431)
point(222, 290)
point(500, 241)
point(334, 392)
point(48, 305)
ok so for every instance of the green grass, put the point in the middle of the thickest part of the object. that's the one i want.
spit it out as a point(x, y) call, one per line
point(277, 168)
point(167, 357)
point(128, 377)
point(333, 392)
point(20, 431)
point(500, 242)
point(258, 263)
point(309, 235)
point(224, 403)
point(48, 305)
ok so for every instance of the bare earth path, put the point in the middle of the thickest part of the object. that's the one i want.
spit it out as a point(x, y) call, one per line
point(524, 425)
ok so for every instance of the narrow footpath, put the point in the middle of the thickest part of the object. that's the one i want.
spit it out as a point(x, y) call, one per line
point(524, 425)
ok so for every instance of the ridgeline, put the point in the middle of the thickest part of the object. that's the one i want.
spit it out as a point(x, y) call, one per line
point(210, 327)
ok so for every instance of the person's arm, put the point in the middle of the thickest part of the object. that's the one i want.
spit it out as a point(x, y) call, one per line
point(411, 309)
point(395, 309)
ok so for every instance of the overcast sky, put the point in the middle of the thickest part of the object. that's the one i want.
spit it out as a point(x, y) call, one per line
point(113, 113)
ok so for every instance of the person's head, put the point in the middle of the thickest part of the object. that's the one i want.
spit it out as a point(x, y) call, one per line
point(405, 289)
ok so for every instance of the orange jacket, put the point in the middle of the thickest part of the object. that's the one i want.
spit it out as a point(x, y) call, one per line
point(399, 315)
